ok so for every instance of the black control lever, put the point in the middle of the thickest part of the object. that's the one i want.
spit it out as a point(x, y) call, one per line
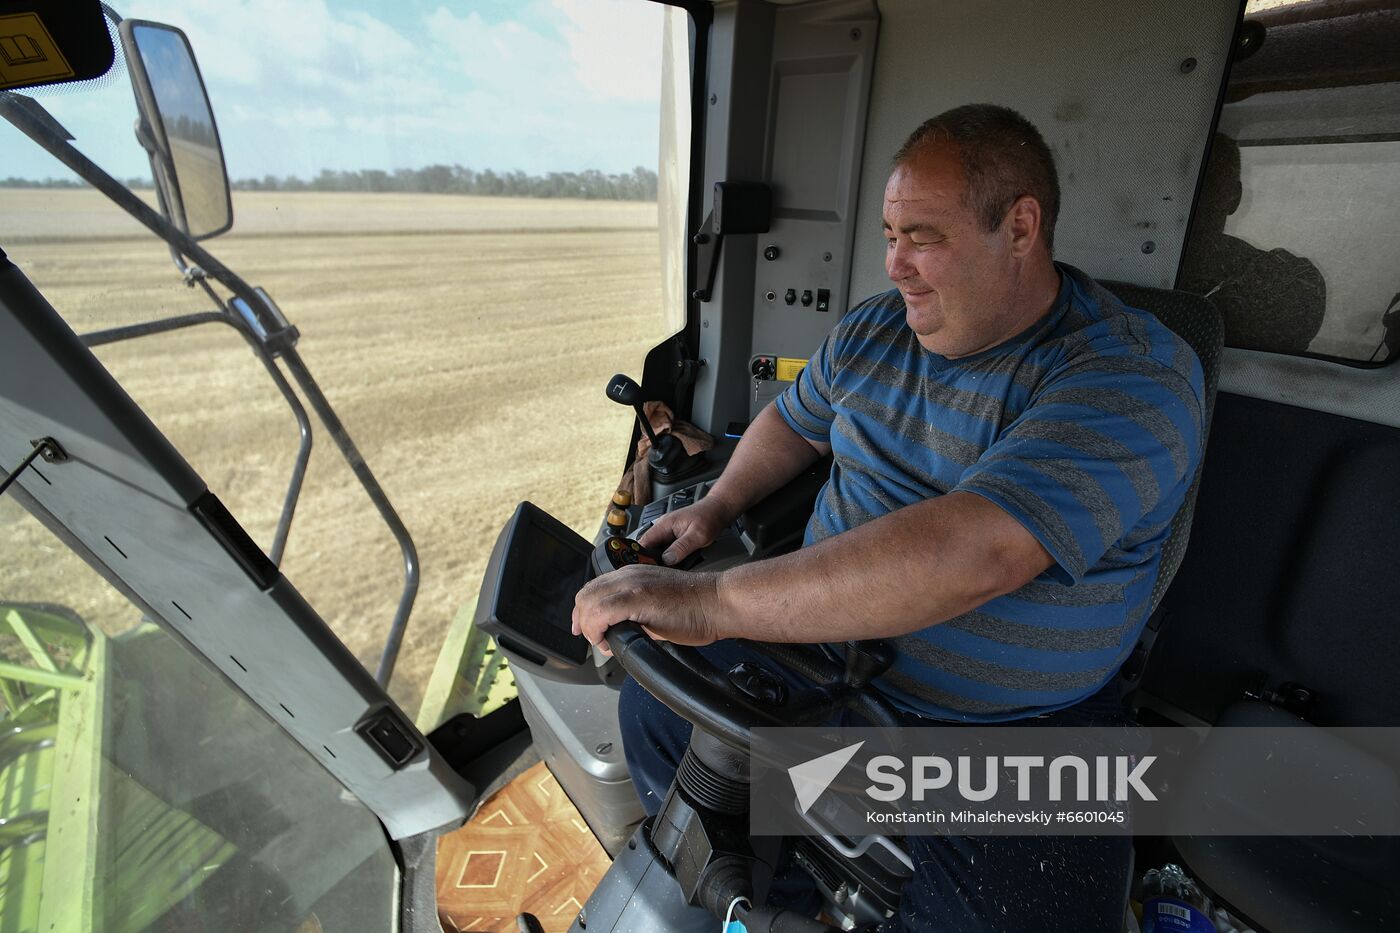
point(624, 390)
point(668, 458)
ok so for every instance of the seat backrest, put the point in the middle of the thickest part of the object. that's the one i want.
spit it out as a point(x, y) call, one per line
point(1291, 574)
point(1197, 321)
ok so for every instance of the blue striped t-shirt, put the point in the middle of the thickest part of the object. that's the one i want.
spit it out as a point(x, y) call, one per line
point(1086, 428)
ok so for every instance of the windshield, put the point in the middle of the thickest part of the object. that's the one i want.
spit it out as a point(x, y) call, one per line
point(457, 208)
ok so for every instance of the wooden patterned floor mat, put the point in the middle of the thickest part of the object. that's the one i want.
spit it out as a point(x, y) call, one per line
point(527, 849)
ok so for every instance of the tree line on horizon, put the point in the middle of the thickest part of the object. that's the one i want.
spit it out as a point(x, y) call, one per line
point(590, 184)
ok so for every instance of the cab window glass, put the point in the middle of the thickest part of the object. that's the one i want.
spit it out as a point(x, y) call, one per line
point(1293, 235)
point(458, 209)
point(139, 790)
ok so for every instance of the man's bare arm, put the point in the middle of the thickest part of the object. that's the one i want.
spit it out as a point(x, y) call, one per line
point(768, 455)
point(904, 571)
point(913, 567)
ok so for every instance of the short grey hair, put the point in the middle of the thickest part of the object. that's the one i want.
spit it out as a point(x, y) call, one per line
point(1003, 158)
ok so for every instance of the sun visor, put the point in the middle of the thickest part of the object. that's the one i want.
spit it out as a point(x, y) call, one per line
point(52, 43)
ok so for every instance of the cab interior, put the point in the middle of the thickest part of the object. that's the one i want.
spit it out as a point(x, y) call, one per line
point(1237, 161)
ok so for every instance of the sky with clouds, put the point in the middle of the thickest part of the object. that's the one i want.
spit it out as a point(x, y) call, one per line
point(301, 85)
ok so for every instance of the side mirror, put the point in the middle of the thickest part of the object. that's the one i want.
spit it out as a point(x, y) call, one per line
point(177, 128)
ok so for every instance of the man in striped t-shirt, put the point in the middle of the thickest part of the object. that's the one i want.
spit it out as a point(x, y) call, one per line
point(1010, 443)
point(1083, 428)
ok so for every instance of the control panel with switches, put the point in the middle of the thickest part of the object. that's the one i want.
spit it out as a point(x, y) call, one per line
point(806, 136)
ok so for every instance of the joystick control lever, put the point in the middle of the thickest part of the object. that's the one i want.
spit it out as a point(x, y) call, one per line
point(624, 390)
point(616, 553)
point(668, 458)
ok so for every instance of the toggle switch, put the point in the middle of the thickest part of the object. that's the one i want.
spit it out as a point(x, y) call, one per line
point(790, 296)
point(806, 297)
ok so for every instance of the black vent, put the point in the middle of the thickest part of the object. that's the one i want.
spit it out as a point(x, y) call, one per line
point(222, 525)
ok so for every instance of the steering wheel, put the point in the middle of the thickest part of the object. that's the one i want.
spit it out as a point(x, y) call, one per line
point(729, 705)
point(725, 707)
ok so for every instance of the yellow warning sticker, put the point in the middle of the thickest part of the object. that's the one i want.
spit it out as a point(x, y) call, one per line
point(789, 368)
point(28, 53)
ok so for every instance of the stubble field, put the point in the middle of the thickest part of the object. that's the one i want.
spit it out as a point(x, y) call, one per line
point(465, 343)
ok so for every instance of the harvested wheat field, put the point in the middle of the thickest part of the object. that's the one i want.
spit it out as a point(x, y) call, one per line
point(465, 343)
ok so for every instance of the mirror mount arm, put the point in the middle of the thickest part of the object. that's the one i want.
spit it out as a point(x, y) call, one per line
point(165, 195)
point(145, 138)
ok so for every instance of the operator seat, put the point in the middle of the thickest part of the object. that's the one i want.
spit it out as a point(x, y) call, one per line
point(1330, 617)
point(1197, 321)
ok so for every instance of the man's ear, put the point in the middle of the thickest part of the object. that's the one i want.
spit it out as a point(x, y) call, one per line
point(1023, 224)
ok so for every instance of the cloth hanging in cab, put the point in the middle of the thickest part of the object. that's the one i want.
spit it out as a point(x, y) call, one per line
point(636, 479)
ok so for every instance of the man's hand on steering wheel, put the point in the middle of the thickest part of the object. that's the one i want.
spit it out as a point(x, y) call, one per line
point(669, 604)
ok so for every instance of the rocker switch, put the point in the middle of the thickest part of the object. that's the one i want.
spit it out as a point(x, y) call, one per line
point(392, 739)
point(823, 300)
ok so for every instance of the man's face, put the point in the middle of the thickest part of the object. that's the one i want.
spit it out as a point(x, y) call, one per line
point(957, 280)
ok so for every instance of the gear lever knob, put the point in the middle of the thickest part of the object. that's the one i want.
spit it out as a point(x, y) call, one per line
point(624, 390)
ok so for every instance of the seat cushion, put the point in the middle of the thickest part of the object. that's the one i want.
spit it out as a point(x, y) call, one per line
point(1283, 883)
